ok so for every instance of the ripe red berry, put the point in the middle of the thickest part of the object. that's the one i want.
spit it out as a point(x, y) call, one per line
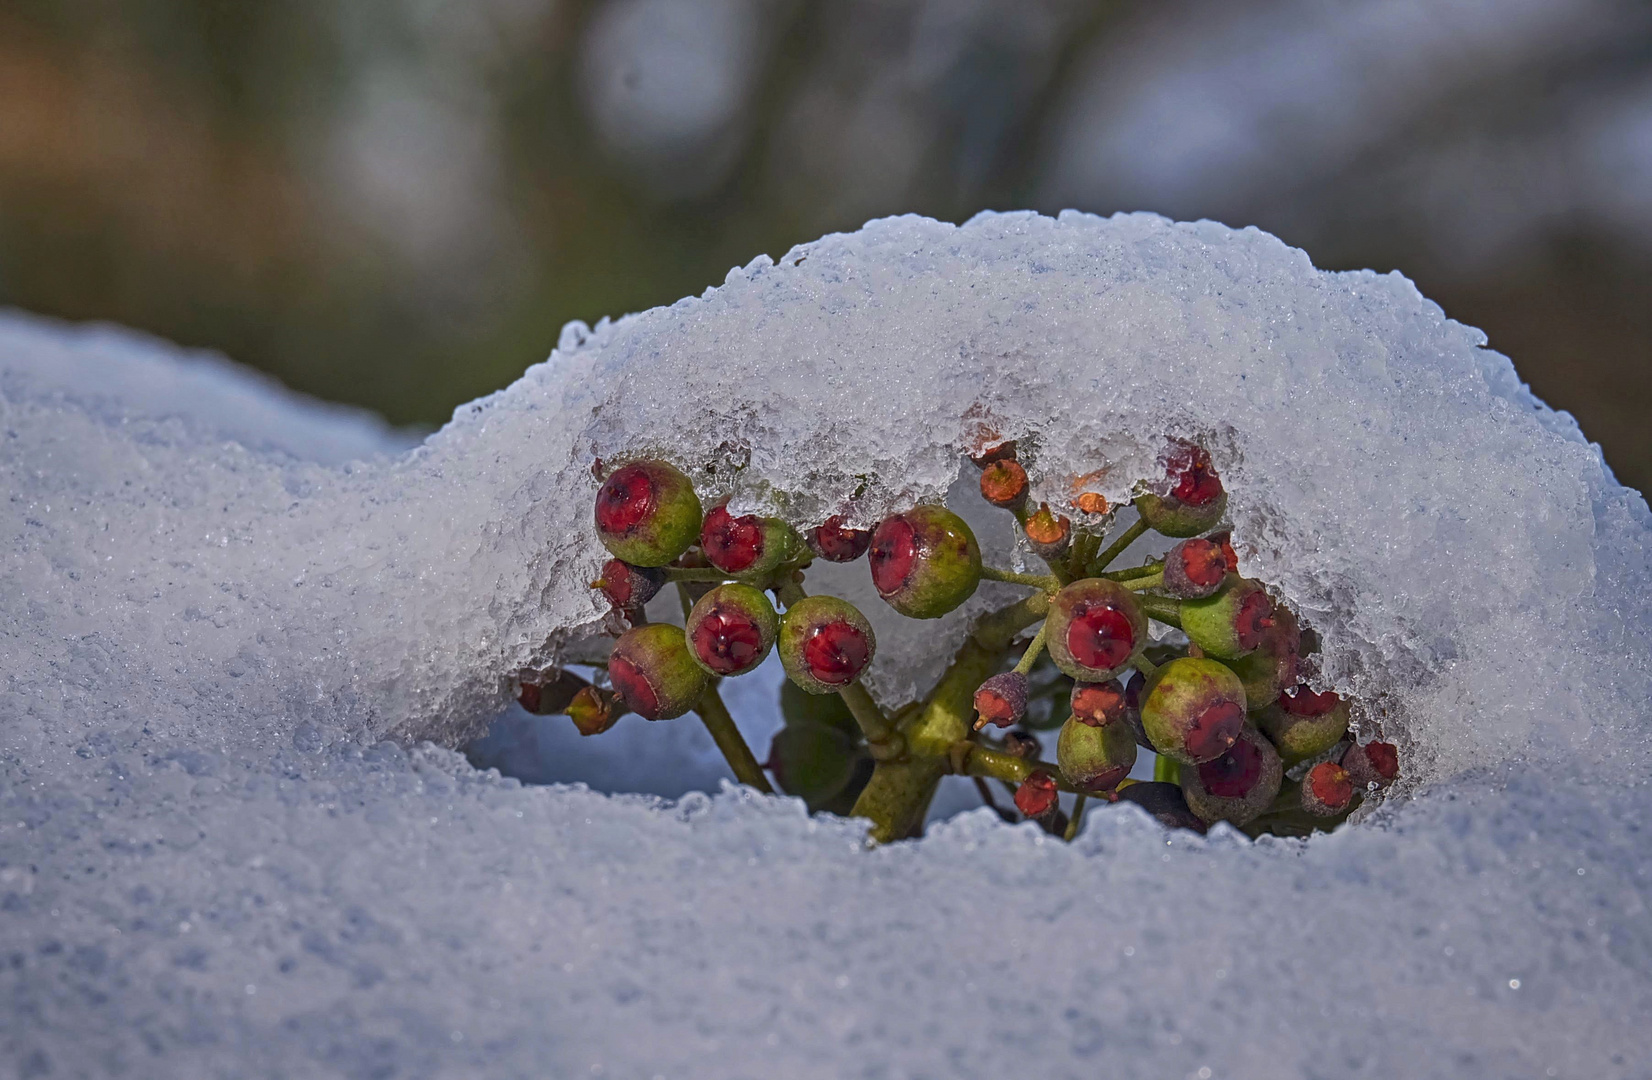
point(653, 673)
point(731, 629)
point(1273, 665)
point(1192, 709)
point(749, 546)
point(1098, 703)
point(1001, 700)
point(1049, 534)
point(1237, 785)
point(1037, 795)
point(647, 513)
point(1004, 484)
point(1095, 758)
point(825, 643)
point(1327, 790)
point(1303, 724)
point(1374, 763)
point(1195, 501)
point(925, 562)
point(1194, 569)
point(835, 542)
point(1230, 622)
point(1094, 629)
point(629, 587)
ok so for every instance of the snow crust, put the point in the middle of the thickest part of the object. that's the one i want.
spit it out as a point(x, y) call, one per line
point(218, 858)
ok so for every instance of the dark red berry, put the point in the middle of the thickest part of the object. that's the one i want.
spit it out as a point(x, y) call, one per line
point(1327, 790)
point(629, 587)
point(1192, 709)
point(1237, 785)
point(1194, 569)
point(731, 629)
point(1037, 795)
point(647, 513)
point(1004, 484)
point(625, 500)
point(1194, 478)
point(1001, 700)
point(925, 562)
point(1374, 763)
point(1273, 664)
point(835, 542)
point(825, 643)
point(653, 672)
point(1094, 628)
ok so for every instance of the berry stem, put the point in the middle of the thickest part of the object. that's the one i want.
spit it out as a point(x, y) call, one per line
point(1125, 577)
point(1084, 550)
point(1076, 817)
point(1035, 581)
point(694, 573)
point(1147, 581)
point(715, 715)
point(789, 592)
point(1116, 548)
point(1163, 609)
point(876, 726)
point(1034, 649)
point(1166, 770)
point(1144, 665)
point(686, 600)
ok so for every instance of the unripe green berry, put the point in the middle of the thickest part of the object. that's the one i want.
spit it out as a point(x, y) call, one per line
point(1095, 758)
point(1195, 502)
point(1273, 665)
point(1303, 724)
point(825, 643)
point(647, 513)
point(1239, 784)
point(925, 562)
point(1095, 628)
point(1192, 709)
point(749, 547)
point(812, 761)
point(1231, 621)
point(731, 629)
point(653, 673)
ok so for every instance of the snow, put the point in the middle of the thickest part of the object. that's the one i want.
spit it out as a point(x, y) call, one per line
point(225, 849)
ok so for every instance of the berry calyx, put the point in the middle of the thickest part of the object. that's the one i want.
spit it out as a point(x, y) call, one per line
point(1327, 790)
point(1194, 569)
point(1273, 665)
point(1192, 710)
point(1196, 500)
point(594, 711)
point(1004, 484)
point(647, 513)
point(835, 542)
point(653, 672)
point(1230, 622)
point(1164, 801)
point(1098, 703)
point(1374, 763)
point(1237, 785)
point(731, 629)
point(629, 587)
point(1303, 724)
point(1037, 795)
point(825, 643)
point(1001, 700)
point(1094, 758)
point(748, 546)
point(1049, 534)
point(925, 562)
point(1094, 629)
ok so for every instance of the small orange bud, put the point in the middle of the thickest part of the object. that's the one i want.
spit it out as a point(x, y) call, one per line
point(1004, 484)
point(1050, 533)
point(1092, 503)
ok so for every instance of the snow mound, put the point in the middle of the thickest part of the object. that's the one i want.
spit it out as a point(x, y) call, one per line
point(216, 600)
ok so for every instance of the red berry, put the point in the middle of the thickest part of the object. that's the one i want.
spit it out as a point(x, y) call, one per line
point(1273, 664)
point(1094, 629)
point(653, 672)
point(834, 542)
point(1374, 763)
point(647, 513)
point(731, 629)
point(825, 643)
point(1230, 622)
point(1192, 709)
point(629, 587)
point(1002, 700)
point(1327, 790)
point(1237, 785)
point(749, 545)
point(1195, 480)
point(1037, 795)
point(1098, 703)
point(1164, 802)
point(1194, 569)
point(625, 500)
point(925, 562)
point(1225, 541)
point(1195, 501)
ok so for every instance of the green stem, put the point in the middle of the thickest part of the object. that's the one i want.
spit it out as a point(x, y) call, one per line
point(1148, 581)
point(1077, 816)
point(1034, 649)
point(1084, 550)
point(1035, 581)
point(1116, 548)
point(1146, 569)
point(684, 599)
point(876, 726)
point(1144, 665)
point(789, 592)
point(1166, 770)
point(1162, 608)
point(715, 715)
point(694, 573)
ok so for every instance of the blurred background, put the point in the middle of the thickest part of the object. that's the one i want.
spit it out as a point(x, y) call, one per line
point(397, 203)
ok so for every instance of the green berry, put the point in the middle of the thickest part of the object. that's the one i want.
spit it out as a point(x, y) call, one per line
point(1195, 502)
point(653, 673)
point(731, 629)
point(1272, 666)
point(647, 513)
point(1095, 629)
point(1095, 758)
point(825, 643)
point(1303, 724)
point(1237, 785)
point(1232, 621)
point(812, 761)
point(925, 562)
point(1192, 709)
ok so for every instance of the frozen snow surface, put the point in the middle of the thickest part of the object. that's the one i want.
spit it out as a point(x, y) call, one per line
point(229, 618)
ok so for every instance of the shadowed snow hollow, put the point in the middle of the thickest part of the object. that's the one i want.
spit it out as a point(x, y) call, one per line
point(209, 862)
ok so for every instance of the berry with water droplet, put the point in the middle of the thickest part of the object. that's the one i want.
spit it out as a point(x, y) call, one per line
point(1001, 700)
point(1094, 629)
point(629, 587)
point(1163, 801)
point(1237, 785)
point(925, 562)
point(1230, 622)
point(748, 546)
point(731, 629)
point(647, 513)
point(1272, 666)
point(1327, 790)
point(1192, 709)
point(1095, 757)
point(1049, 534)
point(1004, 484)
point(1196, 500)
point(836, 542)
point(1194, 569)
point(653, 672)
point(1374, 763)
point(1304, 724)
point(1037, 795)
point(825, 643)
